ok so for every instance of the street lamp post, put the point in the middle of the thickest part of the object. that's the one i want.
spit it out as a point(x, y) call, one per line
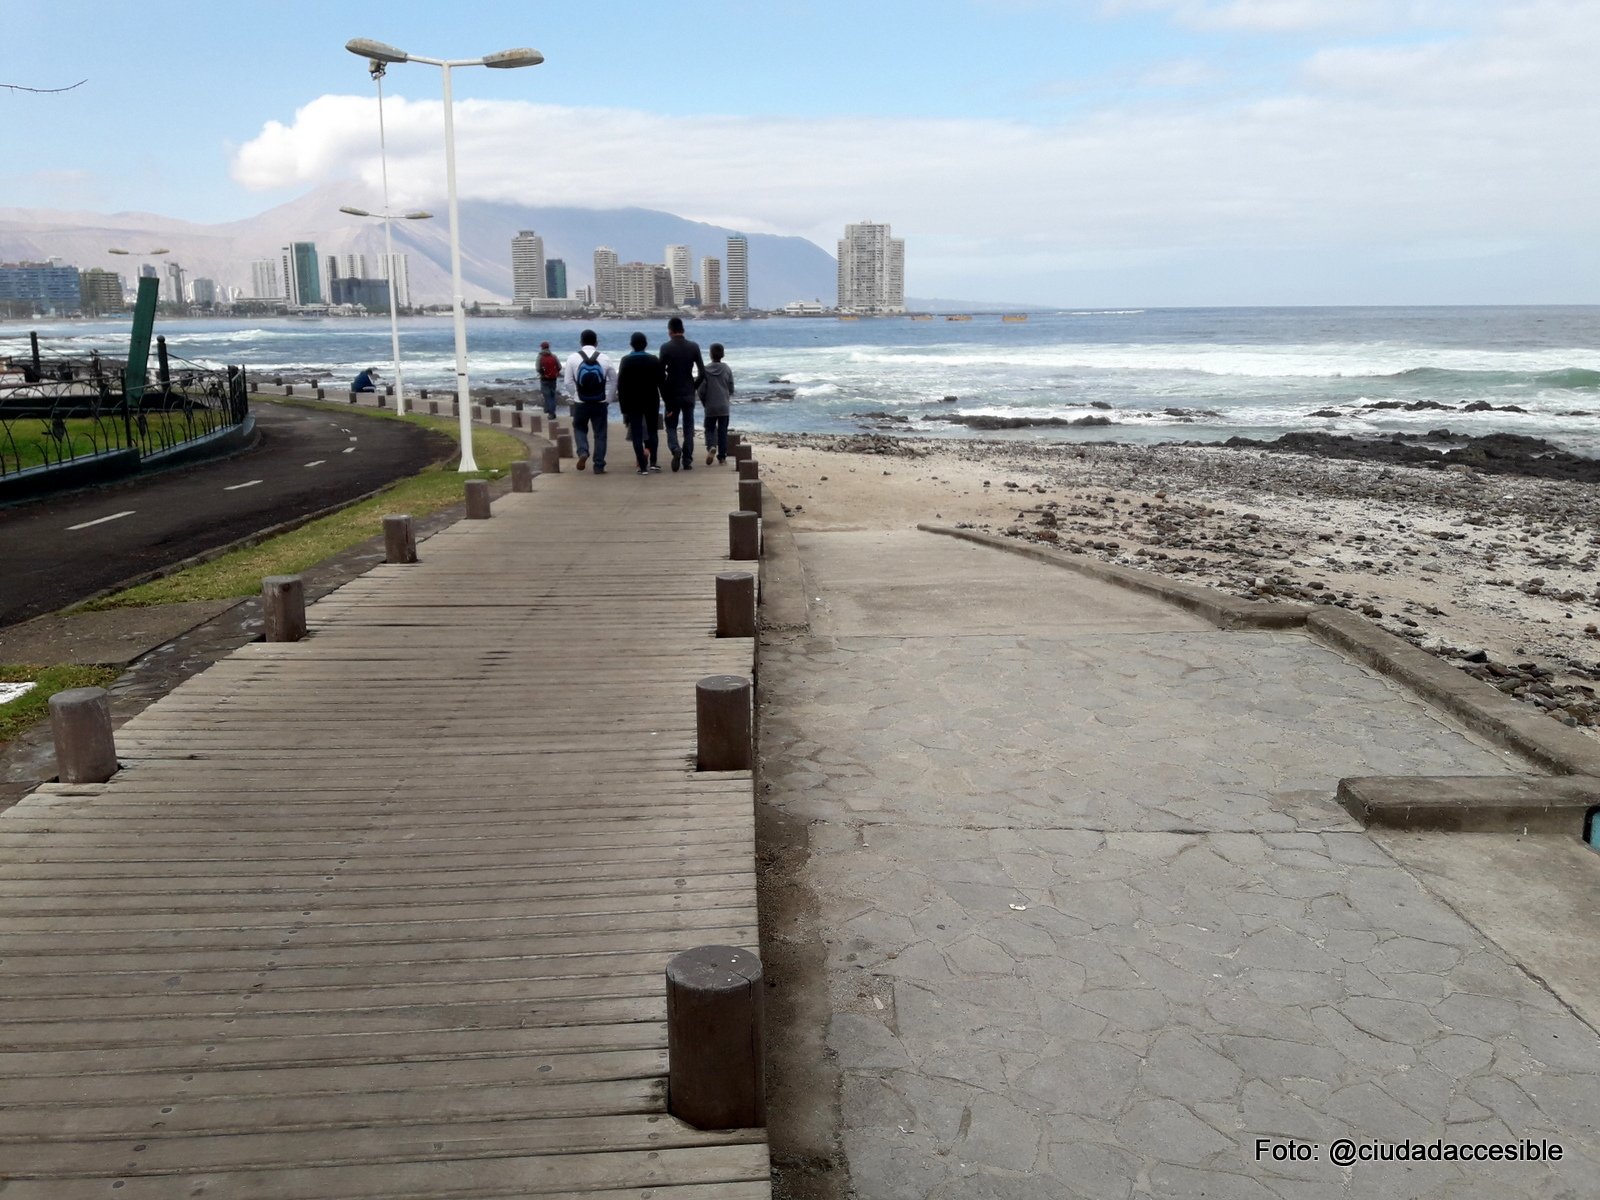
point(379, 52)
point(388, 218)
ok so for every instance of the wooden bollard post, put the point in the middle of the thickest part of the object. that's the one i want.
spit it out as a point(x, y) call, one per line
point(80, 722)
point(382, 403)
point(735, 440)
point(745, 450)
point(433, 408)
point(516, 418)
point(564, 444)
point(477, 412)
point(750, 495)
point(422, 392)
point(399, 539)
point(522, 476)
point(550, 460)
point(494, 416)
point(283, 607)
point(744, 536)
point(722, 723)
point(535, 423)
point(477, 499)
point(715, 1076)
point(749, 468)
point(736, 604)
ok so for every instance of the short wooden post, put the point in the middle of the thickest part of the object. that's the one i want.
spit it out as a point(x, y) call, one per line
point(516, 418)
point(288, 389)
point(564, 444)
point(550, 460)
point(715, 1073)
point(744, 536)
point(433, 408)
point(80, 721)
point(722, 723)
point(745, 450)
point(494, 415)
point(283, 607)
point(736, 604)
point(399, 539)
point(750, 495)
point(477, 412)
point(535, 423)
point(382, 403)
point(422, 392)
point(354, 398)
point(522, 475)
point(322, 393)
point(735, 440)
point(477, 499)
point(749, 468)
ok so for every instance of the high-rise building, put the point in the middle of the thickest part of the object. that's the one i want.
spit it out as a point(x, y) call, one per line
point(99, 291)
point(396, 270)
point(605, 279)
point(667, 289)
point(738, 272)
point(710, 282)
point(872, 270)
point(555, 278)
point(40, 287)
point(148, 271)
point(264, 280)
point(302, 278)
point(634, 286)
point(177, 286)
point(679, 264)
point(370, 294)
point(527, 267)
point(203, 291)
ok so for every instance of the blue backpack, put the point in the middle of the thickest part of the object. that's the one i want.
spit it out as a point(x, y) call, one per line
point(591, 377)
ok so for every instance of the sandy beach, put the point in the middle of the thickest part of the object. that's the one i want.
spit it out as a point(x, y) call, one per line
point(1498, 573)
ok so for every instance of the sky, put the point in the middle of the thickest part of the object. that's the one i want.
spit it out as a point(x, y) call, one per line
point(1073, 152)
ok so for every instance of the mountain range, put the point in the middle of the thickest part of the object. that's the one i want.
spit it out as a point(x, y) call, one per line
point(781, 268)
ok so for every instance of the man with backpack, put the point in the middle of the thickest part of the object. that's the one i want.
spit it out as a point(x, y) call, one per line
point(682, 368)
point(593, 382)
point(549, 371)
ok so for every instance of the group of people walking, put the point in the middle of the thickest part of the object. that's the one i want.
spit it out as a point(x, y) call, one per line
point(643, 384)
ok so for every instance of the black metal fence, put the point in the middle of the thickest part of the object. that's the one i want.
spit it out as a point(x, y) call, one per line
point(58, 409)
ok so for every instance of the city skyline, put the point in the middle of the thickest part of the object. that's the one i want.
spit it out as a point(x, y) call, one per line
point(1150, 151)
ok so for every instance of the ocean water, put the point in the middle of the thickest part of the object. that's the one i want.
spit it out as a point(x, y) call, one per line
point(1151, 375)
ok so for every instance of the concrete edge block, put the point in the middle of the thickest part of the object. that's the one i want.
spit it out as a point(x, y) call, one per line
point(1480, 707)
point(1222, 611)
point(781, 581)
point(1472, 804)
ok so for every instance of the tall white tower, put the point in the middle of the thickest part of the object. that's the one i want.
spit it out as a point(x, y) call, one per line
point(527, 267)
point(872, 270)
point(738, 272)
point(678, 262)
point(605, 277)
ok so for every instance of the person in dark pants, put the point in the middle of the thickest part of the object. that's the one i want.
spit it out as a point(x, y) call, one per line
point(549, 372)
point(682, 368)
point(716, 395)
point(639, 398)
point(593, 382)
point(367, 381)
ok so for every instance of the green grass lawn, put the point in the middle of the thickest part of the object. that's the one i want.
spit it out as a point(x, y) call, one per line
point(27, 441)
point(16, 715)
point(239, 573)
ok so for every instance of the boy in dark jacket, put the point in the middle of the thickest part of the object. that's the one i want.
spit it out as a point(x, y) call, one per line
point(716, 395)
point(639, 381)
point(681, 369)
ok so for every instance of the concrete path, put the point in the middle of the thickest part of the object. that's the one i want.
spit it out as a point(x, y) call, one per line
point(1085, 921)
point(384, 913)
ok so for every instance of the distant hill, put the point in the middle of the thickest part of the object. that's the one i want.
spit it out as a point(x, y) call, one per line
point(781, 268)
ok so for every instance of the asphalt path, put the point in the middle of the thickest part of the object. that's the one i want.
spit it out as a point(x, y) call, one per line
point(58, 550)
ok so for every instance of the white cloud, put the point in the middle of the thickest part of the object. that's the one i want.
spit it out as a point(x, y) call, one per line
point(1299, 16)
point(1479, 140)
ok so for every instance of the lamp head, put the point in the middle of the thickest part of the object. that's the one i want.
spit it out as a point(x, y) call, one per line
point(354, 212)
point(523, 56)
point(419, 215)
point(377, 51)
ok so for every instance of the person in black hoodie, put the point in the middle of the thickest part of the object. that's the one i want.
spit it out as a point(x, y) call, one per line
point(639, 396)
point(682, 369)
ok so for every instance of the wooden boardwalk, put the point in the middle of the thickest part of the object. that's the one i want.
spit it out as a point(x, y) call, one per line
point(384, 913)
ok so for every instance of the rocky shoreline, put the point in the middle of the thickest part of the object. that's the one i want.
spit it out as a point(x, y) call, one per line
point(1483, 551)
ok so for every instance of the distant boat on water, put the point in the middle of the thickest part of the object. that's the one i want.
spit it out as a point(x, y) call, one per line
point(922, 316)
point(959, 317)
point(1014, 317)
point(848, 317)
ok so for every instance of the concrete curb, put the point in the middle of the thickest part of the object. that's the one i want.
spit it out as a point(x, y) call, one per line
point(1469, 804)
point(783, 580)
point(1222, 611)
point(1412, 803)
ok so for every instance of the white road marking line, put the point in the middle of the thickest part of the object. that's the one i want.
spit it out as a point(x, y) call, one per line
point(348, 450)
point(317, 463)
point(102, 520)
point(236, 487)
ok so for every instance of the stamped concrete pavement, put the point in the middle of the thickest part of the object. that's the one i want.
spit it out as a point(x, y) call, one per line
point(1060, 904)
